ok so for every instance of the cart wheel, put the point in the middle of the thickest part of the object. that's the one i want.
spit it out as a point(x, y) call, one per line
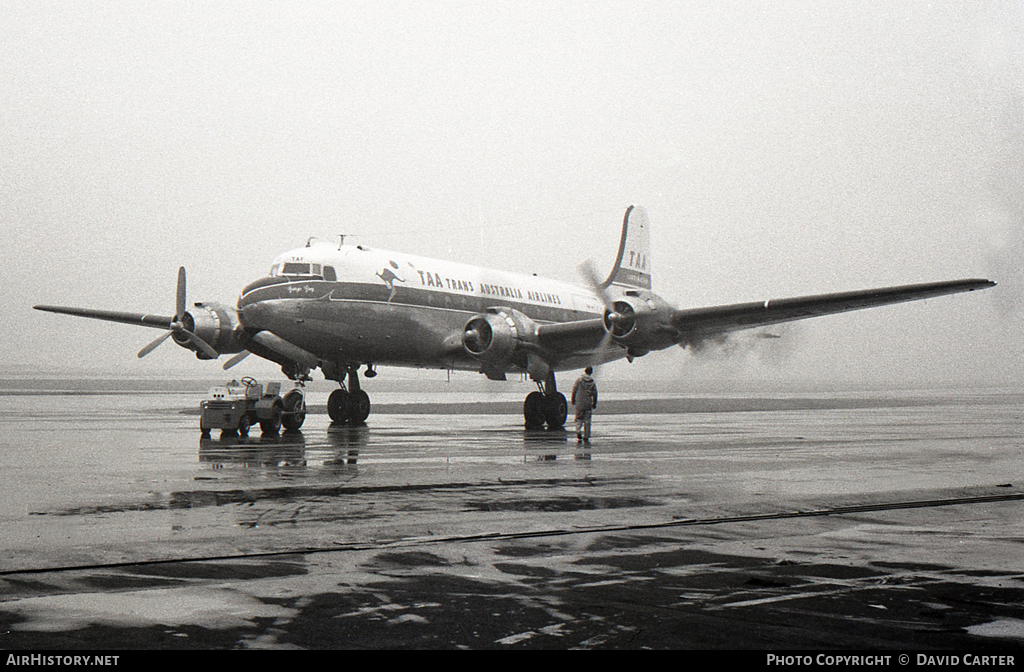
point(294, 411)
point(272, 425)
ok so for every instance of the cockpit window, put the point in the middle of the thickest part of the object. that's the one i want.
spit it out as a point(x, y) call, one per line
point(294, 268)
point(329, 274)
point(302, 268)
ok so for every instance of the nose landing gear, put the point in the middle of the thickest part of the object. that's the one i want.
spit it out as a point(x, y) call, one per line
point(294, 409)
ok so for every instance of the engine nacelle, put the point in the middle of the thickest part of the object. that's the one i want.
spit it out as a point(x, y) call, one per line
point(216, 324)
point(499, 337)
point(636, 321)
point(622, 318)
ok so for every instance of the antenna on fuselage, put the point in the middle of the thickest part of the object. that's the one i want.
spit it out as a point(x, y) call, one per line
point(342, 242)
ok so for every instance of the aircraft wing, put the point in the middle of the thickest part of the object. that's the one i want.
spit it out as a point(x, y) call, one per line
point(571, 336)
point(142, 319)
point(694, 324)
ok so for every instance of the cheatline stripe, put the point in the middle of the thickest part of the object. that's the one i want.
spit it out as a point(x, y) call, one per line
point(414, 297)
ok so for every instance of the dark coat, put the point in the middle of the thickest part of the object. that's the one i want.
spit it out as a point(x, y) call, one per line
point(584, 393)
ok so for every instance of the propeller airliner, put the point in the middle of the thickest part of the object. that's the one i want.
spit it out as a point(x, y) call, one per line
point(340, 307)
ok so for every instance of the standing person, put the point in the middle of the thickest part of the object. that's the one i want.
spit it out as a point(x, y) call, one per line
point(584, 398)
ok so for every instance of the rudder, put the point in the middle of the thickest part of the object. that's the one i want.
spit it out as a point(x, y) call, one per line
point(633, 263)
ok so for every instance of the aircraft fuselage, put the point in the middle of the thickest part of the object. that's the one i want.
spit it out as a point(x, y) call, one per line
point(337, 308)
point(361, 305)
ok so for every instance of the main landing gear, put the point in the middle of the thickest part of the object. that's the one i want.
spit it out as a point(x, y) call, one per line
point(349, 405)
point(546, 406)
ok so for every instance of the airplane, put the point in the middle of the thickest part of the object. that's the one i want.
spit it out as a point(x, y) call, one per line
point(339, 307)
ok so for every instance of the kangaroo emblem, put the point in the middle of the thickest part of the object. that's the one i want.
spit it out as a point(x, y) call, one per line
point(389, 277)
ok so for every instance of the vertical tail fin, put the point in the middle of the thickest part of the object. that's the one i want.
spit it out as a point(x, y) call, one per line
point(633, 264)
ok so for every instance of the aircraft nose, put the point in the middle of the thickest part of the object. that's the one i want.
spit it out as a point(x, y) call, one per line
point(252, 315)
point(259, 315)
point(272, 315)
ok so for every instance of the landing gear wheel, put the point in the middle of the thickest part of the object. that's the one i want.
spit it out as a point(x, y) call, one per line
point(358, 407)
point(533, 410)
point(294, 411)
point(336, 406)
point(244, 423)
point(272, 425)
point(555, 410)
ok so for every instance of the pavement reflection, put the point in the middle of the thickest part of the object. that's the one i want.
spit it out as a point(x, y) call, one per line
point(865, 527)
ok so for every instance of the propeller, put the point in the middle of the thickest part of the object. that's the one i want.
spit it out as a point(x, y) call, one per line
point(153, 346)
point(616, 315)
point(477, 336)
point(590, 275)
point(236, 359)
point(177, 327)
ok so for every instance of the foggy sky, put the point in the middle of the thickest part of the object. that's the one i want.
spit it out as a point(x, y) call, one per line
point(780, 149)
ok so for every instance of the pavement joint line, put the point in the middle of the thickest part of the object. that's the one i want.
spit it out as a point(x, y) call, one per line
point(531, 534)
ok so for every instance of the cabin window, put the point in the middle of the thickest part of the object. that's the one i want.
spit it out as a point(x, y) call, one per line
point(316, 269)
point(293, 268)
point(329, 274)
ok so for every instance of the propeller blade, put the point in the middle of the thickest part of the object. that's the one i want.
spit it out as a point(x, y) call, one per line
point(596, 361)
point(236, 359)
point(593, 280)
point(152, 346)
point(589, 274)
point(198, 342)
point(176, 326)
point(180, 296)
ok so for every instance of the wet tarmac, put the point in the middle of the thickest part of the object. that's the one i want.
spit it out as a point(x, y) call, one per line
point(865, 521)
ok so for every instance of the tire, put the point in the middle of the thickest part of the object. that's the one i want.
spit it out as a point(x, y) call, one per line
point(244, 423)
point(533, 410)
point(336, 406)
point(272, 425)
point(556, 409)
point(294, 411)
point(358, 407)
